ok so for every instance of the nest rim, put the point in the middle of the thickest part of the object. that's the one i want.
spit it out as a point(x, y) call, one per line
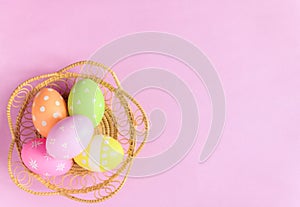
point(52, 77)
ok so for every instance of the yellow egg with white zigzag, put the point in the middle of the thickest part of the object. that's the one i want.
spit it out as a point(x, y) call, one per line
point(102, 154)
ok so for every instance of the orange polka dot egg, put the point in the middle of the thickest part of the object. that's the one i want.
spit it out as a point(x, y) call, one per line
point(48, 108)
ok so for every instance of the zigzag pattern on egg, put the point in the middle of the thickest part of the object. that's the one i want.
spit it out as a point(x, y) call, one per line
point(103, 154)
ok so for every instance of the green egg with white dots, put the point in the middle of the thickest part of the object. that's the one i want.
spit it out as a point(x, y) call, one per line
point(86, 98)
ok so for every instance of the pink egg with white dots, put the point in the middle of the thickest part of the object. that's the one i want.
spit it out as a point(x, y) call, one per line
point(37, 160)
point(69, 137)
point(48, 108)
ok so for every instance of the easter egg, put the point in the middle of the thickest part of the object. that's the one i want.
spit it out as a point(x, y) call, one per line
point(102, 154)
point(36, 159)
point(86, 99)
point(48, 108)
point(69, 137)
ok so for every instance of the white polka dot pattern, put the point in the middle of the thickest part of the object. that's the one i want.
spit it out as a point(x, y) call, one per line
point(47, 109)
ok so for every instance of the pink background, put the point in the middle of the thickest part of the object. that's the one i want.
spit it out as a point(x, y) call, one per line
point(254, 45)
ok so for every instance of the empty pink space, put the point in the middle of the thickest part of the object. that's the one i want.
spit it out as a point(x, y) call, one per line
point(255, 48)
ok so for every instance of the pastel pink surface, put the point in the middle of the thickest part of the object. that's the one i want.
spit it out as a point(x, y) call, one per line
point(69, 137)
point(36, 158)
point(255, 47)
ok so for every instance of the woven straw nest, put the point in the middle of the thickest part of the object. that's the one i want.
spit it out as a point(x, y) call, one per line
point(124, 120)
